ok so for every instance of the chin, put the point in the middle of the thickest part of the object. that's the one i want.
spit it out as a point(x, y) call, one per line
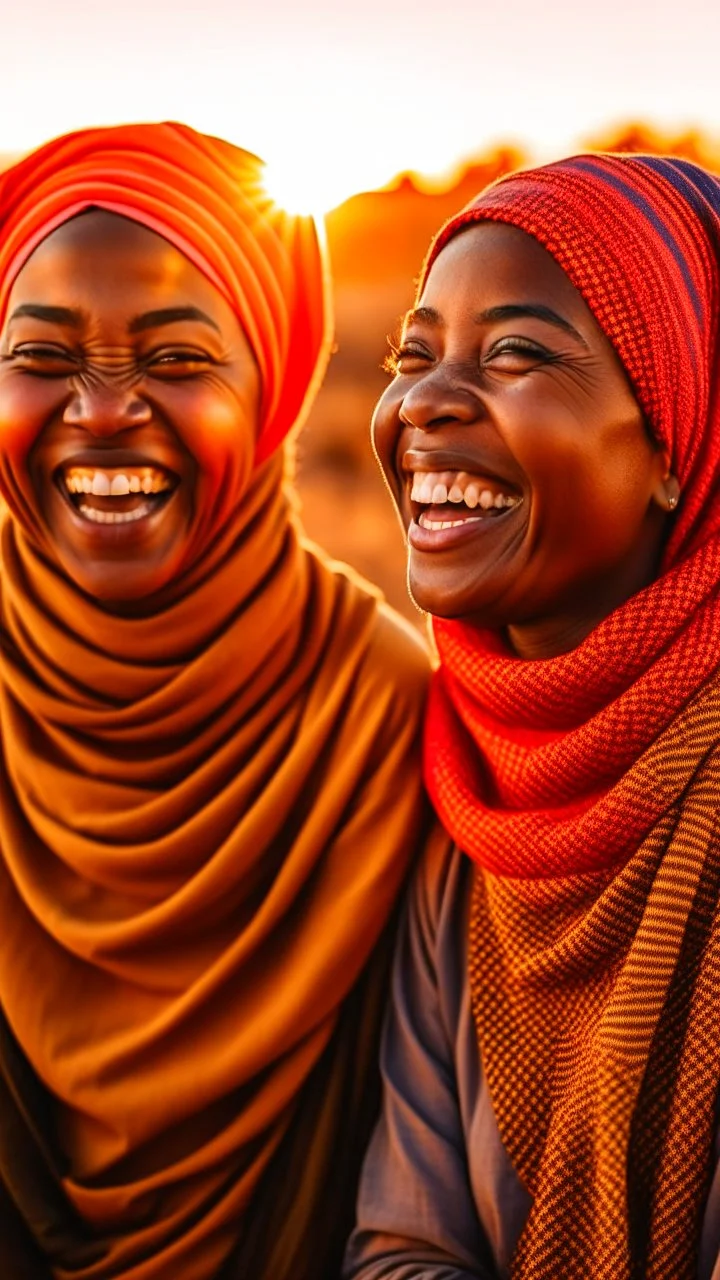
point(438, 605)
point(114, 588)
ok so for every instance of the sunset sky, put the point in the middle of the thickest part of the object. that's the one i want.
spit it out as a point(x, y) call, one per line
point(339, 95)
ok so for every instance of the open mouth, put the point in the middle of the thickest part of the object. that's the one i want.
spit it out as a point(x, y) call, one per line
point(451, 499)
point(116, 495)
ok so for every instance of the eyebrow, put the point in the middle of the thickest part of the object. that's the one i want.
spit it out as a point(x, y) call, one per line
point(535, 310)
point(54, 315)
point(170, 315)
point(495, 315)
point(73, 318)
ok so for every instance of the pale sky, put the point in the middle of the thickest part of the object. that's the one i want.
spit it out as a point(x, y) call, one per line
point(347, 94)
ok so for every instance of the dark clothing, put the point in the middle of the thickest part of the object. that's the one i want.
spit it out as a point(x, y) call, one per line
point(439, 1199)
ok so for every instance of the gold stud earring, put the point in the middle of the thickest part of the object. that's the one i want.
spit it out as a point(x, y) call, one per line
point(672, 492)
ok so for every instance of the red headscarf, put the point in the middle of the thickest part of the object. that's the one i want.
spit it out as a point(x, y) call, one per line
point(587, 786)
point(525, 760)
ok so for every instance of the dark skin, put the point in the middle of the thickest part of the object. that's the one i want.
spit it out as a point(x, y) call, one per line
point(118, 355)
point(503, 374)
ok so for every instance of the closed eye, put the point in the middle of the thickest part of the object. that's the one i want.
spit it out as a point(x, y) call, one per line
point(515, 354)
point(177, 362)
point(406, 358)
point(43, 359)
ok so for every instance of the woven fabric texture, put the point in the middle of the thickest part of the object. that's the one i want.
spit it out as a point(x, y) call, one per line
point(586, 786)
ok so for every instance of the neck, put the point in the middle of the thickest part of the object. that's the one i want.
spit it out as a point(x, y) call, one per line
point(542, 638)
point(550, 637)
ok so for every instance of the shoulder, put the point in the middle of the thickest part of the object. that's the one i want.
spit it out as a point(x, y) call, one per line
point(393, 677)
point(396, 651)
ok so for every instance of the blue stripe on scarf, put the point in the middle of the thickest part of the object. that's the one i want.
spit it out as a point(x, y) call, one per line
point(629, 192)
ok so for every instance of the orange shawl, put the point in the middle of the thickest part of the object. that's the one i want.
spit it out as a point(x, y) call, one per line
point(205, 812)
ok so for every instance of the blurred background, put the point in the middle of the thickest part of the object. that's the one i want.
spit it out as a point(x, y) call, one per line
point(384, 118)
point(377, 242)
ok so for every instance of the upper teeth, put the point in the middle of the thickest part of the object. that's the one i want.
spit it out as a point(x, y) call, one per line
point(114, 483)
point(459, 486)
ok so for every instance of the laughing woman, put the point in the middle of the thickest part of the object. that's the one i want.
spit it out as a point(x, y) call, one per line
point(552, 441)
point(208, 787)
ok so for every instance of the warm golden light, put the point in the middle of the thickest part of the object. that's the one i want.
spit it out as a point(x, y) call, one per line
point(303, 188)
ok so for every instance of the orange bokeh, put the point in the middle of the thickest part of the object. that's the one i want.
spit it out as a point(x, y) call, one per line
point(377, 241)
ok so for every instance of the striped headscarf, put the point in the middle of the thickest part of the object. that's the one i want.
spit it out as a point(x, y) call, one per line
point(595, 952)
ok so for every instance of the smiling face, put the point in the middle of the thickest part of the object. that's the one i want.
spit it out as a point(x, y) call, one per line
point(515, 450)
point(123, 371)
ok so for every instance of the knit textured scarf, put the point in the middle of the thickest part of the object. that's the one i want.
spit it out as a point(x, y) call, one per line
point(205, 811)
point(587, 787)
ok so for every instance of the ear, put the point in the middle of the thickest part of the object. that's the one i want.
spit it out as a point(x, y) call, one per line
point(666, 490)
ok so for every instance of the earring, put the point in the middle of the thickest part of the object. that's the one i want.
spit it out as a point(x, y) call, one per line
point(672, 492)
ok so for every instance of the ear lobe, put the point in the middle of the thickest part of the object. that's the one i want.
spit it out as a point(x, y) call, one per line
point(666, 491)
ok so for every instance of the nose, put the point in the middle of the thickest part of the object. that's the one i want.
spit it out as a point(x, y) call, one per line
point(438, 399)
point(105, 409)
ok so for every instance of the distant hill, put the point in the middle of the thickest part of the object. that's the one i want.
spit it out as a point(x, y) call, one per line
point(377, 244)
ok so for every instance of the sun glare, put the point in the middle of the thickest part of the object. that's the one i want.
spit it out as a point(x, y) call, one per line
point(301, 187)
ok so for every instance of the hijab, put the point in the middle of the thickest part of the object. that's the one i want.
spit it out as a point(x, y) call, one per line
point(586, 786)
point(205, 811)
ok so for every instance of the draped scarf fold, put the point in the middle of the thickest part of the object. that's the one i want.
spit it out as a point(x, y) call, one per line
point(206, 812)
point(587, 787)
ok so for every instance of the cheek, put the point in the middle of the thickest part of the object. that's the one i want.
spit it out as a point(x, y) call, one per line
point(217, 426)
point(385, 430)
point(26, 406)
point(592, 486)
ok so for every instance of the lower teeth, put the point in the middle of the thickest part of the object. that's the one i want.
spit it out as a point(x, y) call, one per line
point(115, 517)
point(446, 524)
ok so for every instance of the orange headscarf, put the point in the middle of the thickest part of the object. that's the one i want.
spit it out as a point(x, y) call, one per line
point(207, 199)
point(205, 813)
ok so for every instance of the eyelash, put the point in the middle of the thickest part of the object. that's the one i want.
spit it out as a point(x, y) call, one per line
point(391, 363)
point(43, 355)
point(168, 358)
point(521, 346)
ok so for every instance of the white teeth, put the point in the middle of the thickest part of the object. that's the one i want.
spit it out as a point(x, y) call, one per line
point(115, 517)
point(109, 482)
point(438, 488)
point(427, 523)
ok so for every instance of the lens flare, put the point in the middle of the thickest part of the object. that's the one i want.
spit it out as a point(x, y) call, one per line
point(302, 187)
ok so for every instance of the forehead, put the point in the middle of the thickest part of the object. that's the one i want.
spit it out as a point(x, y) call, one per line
point(98, 261)
point(492, 263)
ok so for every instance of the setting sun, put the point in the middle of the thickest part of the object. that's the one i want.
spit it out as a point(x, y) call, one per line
point(302, 187)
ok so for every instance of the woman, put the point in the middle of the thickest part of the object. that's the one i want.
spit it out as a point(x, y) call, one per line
point(552, 441)
point(208, 793)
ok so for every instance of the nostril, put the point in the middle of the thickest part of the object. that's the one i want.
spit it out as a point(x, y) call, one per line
point(105, 409)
